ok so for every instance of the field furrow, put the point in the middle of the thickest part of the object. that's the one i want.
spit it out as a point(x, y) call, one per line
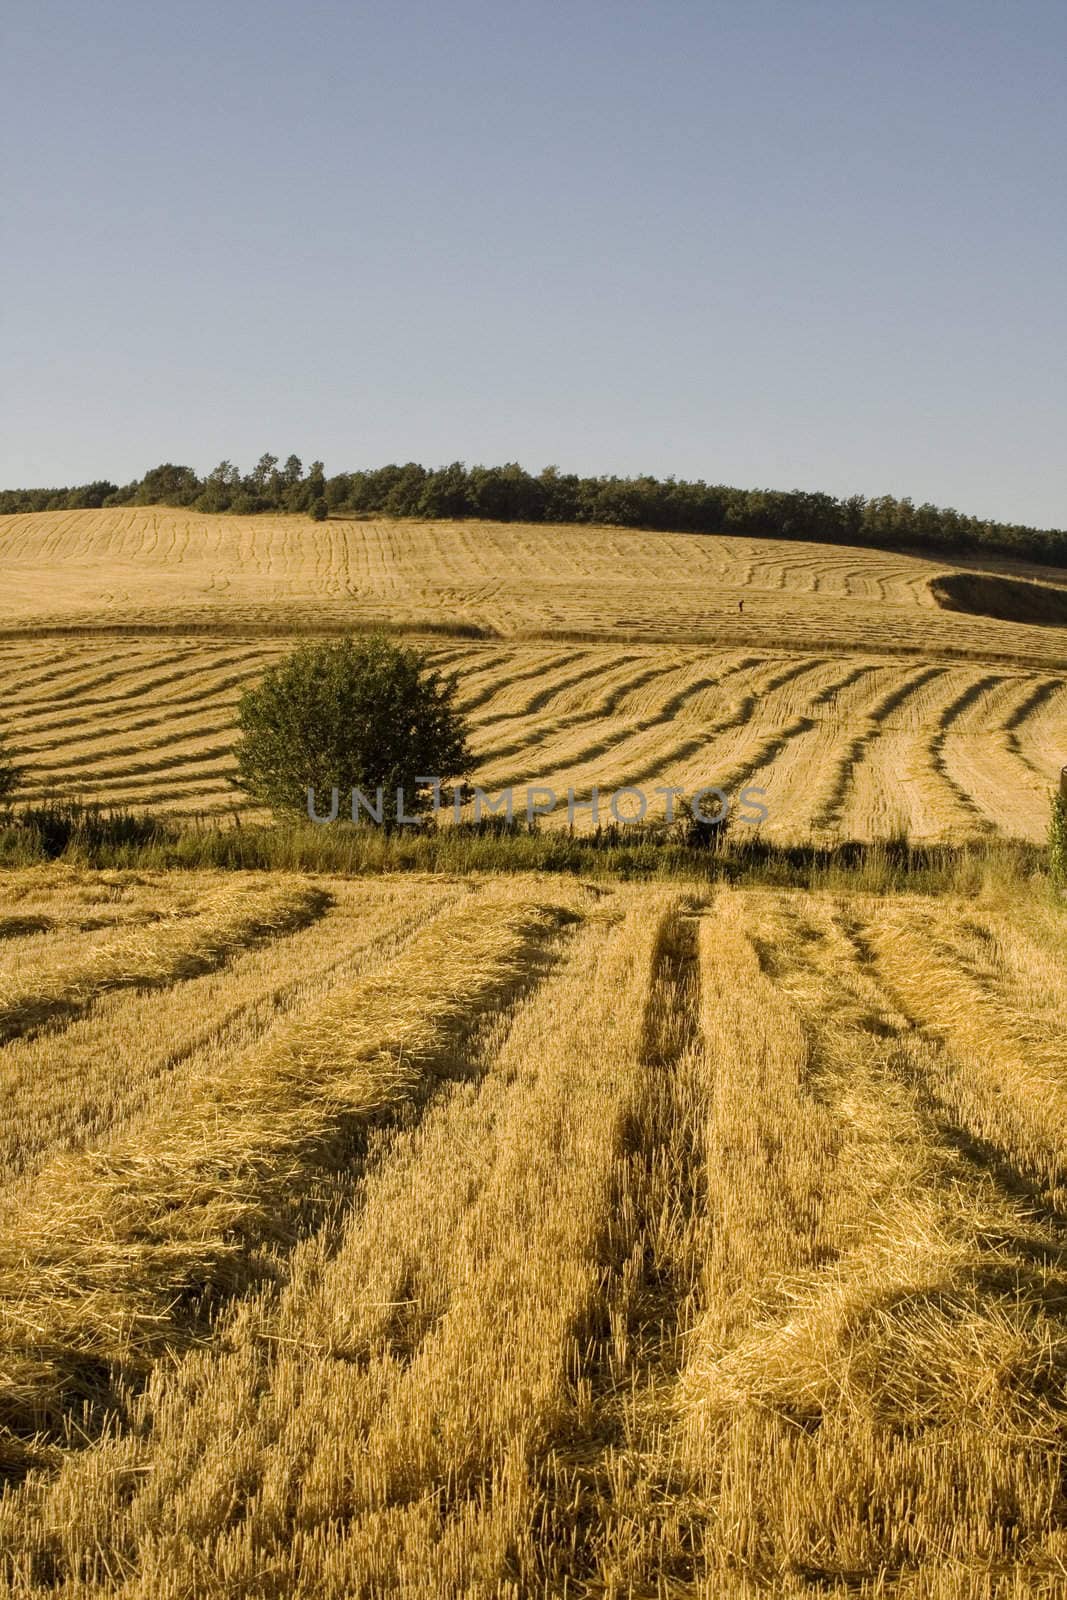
point(496, 682)
point(743, 745)
point(1002, 1073)
point(893, 780)
point(95, 1272)
point(720, 1250)
point(984, 761)
point(802, 788)
point(608, 737)
point(109, 761)
point(662, 743)
point(1037, 733)
point(840, 1415)
point(210, 682)
point(154, 727)
point(64, 1090)
point(592, 707)
point(49, 992)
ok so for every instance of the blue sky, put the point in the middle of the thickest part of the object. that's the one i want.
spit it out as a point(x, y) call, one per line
point(770, 242)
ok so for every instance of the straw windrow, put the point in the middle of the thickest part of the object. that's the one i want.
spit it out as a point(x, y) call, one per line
point(156, 955)
point(96, 1270)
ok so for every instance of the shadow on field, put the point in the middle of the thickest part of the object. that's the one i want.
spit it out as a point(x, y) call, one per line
point(1007, 599)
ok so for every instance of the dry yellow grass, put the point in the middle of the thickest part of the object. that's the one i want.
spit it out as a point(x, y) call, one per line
point(552, 1240)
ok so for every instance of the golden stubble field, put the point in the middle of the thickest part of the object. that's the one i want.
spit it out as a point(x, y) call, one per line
point(501, 1237)
point(160, 567)
point(506, 1238)
point(615, 658)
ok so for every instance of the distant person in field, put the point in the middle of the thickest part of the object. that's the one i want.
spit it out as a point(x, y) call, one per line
point(741, 605)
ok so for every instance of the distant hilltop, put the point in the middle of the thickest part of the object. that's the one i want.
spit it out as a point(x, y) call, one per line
point(511, 494)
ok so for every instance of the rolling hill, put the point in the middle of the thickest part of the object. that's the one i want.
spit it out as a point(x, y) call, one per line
point(586, 656)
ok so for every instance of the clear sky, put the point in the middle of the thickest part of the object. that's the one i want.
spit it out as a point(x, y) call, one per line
point(789, 243)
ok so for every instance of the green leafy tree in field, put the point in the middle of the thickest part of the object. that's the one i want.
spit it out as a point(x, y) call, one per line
point(318, 510)
point(302, 493)
point(1057, 837)
point(9, 773)
point(363, 714)
point(444, 493)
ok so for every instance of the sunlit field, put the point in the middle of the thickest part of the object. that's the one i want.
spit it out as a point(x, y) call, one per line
point(442, 1237)
point(617, 658)
point(853, 746)
point(501, 1235)
point(159, 567)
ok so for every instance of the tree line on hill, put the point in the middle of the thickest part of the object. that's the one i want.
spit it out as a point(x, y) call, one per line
point(511, 494)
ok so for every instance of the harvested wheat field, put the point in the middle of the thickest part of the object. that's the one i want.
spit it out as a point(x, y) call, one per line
point(162, 568)
point(444, 1237)
point(853, 745)
point(609, 658)
point(501, 1236)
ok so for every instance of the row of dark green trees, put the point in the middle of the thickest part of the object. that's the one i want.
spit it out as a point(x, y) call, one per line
point(511, 494)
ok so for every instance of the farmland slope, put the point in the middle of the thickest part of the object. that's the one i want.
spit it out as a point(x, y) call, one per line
point(608, 657)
